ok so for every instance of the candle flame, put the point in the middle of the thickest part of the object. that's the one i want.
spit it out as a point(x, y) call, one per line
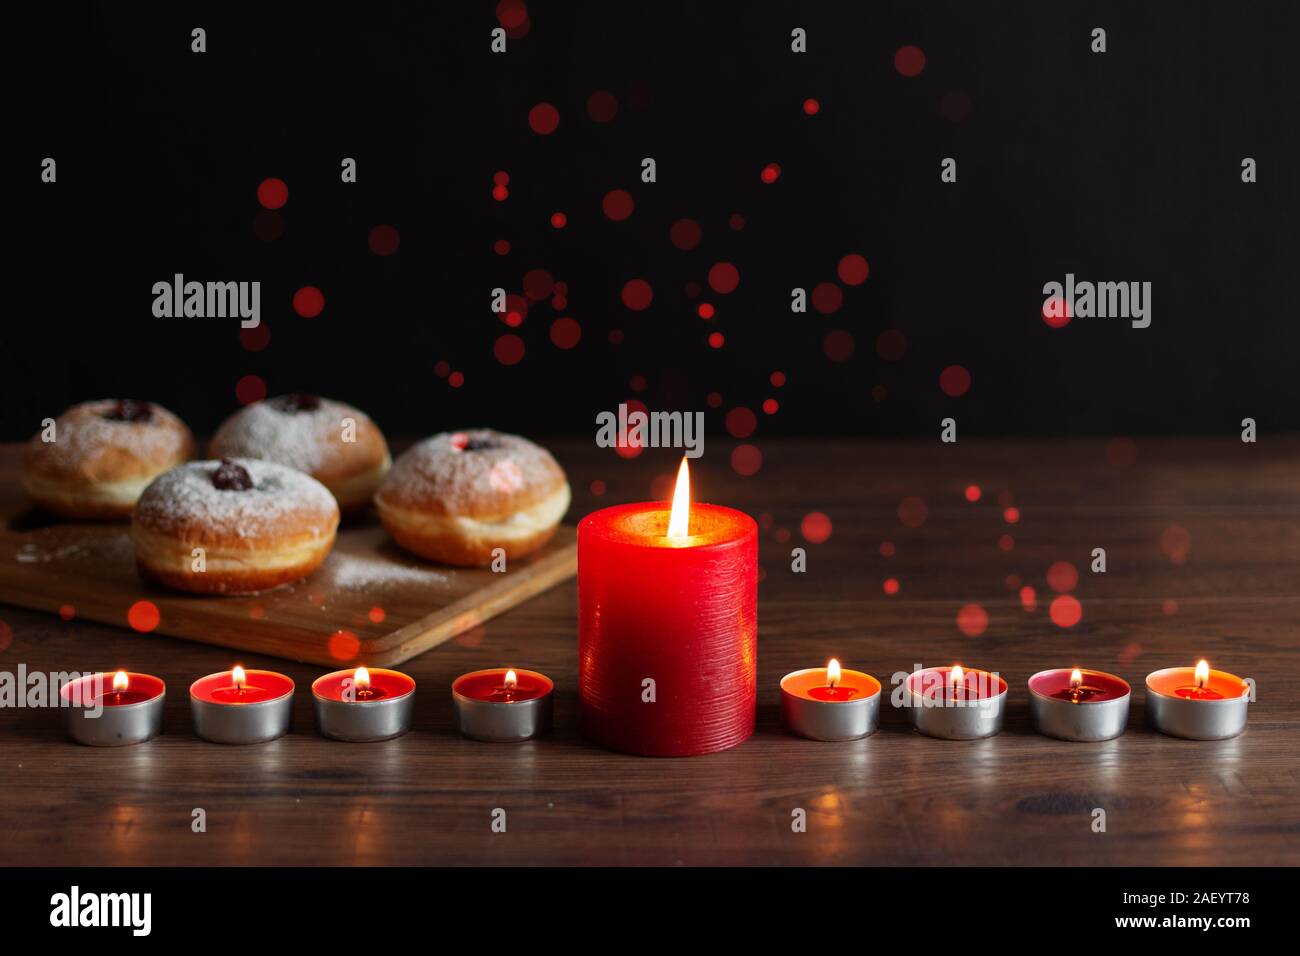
point(361, 679)
point(832, 672)
point(512, 680)
point(1202, 673)
point(958, 677)
point(238, 677)
point(1076, 679)
point(119, 682)
point(679, 521)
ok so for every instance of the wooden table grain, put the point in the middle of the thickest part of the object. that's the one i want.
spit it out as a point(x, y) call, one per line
point(1225, 584)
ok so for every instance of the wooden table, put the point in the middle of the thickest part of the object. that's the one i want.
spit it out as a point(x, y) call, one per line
point(894, 798)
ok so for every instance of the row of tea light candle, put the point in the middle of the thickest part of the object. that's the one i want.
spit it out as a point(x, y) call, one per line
point(822, 703)
point(241, 706)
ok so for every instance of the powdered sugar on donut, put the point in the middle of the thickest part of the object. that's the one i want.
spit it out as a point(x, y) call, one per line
point(281, 501)
point(476, 472)
point(90, 444)
point(300, 438)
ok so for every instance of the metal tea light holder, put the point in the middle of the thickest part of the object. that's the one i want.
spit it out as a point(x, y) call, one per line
point(111, 726)
point(966, 719)
point(1086, 721)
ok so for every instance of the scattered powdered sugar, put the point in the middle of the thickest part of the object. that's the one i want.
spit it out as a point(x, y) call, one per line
point(187, 494)
point(107, 548)
point(298, 437)
point(353, 572)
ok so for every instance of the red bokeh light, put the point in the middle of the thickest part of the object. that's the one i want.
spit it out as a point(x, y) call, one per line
point(815, 527)
point(559, 220)
point(618, 204)
point(909, 60)
point(955, 381)
point(309, 302)
point(544, 119)
point(384, 240)
point(891, 586)
point(972, 620)
point(565, 332)
point(973, 493)
point(637, 294)
point(912, 511)
point(827, 297)
point(1062, 576)
point(509, 349)
point(1056, 312)
point(838, 345)
point(272, 193)
point(717, 340)
point(250, 389)
point(1065, 611)
point(685, 234)
point(811, 106)
point(143, 616)
point(746, 460)
point(771, 173)
point(724, 278)
point(344, 646)
point(257, 338)
point(741, 422)
point(706, 311)
point(853, 269)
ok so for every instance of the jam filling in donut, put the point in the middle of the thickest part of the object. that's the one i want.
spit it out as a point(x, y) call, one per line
point(231, 476)
point(129, 410)
point(289, 404)
point(462, 442)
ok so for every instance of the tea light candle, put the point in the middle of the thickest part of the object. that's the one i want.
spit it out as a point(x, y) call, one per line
point(113, 710)
point(502, 704)
point(830, 703)
point(1078, 704)
point(241, 707)
point(668, 626)
point(956, 704)
point(1197, 703)
point(363, 704)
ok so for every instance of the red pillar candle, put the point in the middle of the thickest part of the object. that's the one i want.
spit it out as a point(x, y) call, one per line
point(668, 626)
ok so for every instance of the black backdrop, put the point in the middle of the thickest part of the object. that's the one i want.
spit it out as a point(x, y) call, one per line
point(1119, 166)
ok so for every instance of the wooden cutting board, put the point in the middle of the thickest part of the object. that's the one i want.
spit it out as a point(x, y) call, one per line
point(370, 603)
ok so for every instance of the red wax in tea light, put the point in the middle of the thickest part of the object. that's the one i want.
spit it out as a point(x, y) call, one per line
point(968, 684)
point(673, 602)
point(1197, 702)
point(364, 704)
point(1187, 683)
point(376, 684)
point(227, 687)
point(113, 709)
point(1078, 704)
point(830, 703)
point(113, 689)
point(241, 707)
point(831, 683)
point(1093, 686)
point(502, 704)
point(492, 686)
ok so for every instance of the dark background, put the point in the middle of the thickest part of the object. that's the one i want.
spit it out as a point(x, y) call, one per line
point(1121, 166)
